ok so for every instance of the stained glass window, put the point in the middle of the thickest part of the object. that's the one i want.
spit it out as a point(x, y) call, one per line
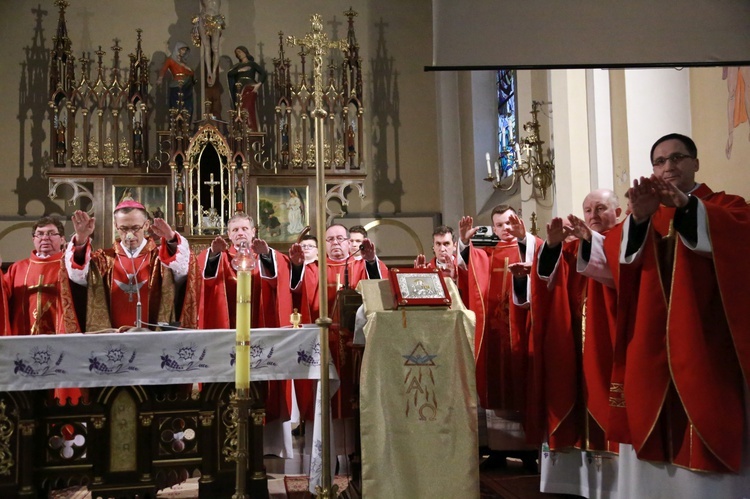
point(506, 119)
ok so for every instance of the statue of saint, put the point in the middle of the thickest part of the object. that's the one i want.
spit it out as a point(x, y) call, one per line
point(183, 78)
point(250, 77)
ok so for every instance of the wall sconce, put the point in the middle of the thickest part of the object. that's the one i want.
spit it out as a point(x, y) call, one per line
point(524, 160)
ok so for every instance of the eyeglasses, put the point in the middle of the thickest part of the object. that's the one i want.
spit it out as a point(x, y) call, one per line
point(308, 246)
point(134, 228)
point(42, 235)
point(674, 158)
point(338, 239)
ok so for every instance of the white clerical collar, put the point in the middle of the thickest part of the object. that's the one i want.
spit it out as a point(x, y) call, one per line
point(137, 250)
point(43, 257)
point(695, 187)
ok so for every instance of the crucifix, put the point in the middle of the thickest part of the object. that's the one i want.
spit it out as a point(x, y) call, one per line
point(317, 45)
point(41, 306)
point(211, 183)
point(213, 218)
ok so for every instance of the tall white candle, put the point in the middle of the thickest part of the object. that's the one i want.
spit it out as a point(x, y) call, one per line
point(489, 165)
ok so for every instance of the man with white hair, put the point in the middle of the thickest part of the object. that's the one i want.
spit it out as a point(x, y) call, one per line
point(570, 374)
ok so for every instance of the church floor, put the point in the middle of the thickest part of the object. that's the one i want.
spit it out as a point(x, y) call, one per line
point(511, 481)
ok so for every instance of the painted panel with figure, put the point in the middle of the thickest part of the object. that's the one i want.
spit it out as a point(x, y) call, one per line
point(282, 213)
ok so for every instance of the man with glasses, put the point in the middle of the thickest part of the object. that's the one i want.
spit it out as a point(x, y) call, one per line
point(341, 270)
point(39, 293)
point(40, 299)
point(137, 270)
point(309, 245)
point(682, 349)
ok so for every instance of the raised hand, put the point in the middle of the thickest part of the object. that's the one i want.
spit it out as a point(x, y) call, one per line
point(367, 248)
point(644, 198)
point(420, 262)
point(84, 226)
point(466, 229)
point(520, 269)
point(556, 232)
point(669, 194)
point(297, 254)
point(578, 228)
point(218, 245)
point(260, 247)
point(517, 228)
point(161, 228)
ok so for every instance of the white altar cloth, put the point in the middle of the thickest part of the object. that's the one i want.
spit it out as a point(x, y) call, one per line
point(155, 358)
point(161, 358)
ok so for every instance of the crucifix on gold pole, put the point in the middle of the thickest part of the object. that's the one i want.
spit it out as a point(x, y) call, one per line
point(317, 45)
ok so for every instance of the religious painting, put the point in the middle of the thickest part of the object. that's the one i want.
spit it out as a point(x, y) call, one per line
point(283, 212)
point(152, 197)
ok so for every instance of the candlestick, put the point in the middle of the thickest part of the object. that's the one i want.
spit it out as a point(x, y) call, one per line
point(497, 171)
point(242, 350)
point(489, 166)
point(244, 263)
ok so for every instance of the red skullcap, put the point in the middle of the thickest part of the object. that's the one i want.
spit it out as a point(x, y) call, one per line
point(130, 203)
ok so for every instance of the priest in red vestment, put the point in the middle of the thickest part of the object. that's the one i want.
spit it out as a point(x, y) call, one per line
point(682, 346)
point(161, 278)
point(490, 277)
point(342, 270)
point(38, 290)
point(39, 294)
point(271, 296)
point(444, 249)
point(501, 330)
point(569, 371)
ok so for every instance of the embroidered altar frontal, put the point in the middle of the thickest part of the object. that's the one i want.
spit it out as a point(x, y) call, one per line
point(187, 356)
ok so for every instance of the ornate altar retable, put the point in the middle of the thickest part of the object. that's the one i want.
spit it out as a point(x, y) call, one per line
point(136, 435)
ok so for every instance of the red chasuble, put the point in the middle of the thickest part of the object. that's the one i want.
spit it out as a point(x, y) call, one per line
point(501, 340)
point(39, 297)
point(40, 302)
point(113, 298)
point(339, 343)
point(271, 307)
point(570, 363)
point(683, 342)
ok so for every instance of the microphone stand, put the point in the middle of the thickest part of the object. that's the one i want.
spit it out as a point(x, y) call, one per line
point(134, 282)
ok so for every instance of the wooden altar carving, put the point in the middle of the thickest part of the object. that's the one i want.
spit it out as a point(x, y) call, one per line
point(99, 119)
